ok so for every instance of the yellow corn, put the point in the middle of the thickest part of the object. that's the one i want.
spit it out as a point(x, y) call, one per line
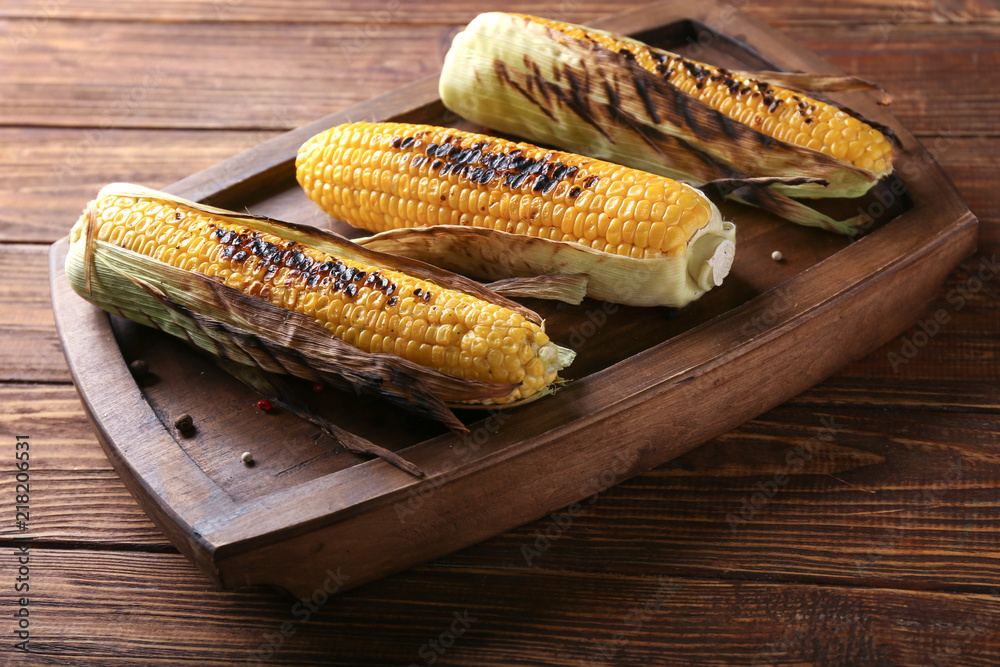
point(381, 176)
point(777, 112)
point(376, 310)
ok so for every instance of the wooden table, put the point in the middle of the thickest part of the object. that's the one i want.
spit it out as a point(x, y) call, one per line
point(857, 524)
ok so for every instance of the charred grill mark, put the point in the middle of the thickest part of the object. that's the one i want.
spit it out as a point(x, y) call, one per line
point(510, 167)
point(613, 99)
point(577, 104)
point(637, 128)
point(515, 180)
point(540, 81)
point(716, 165)
point(727, 126)
point(681, 104)
point(330, 273)
point(647, 102)
point(505, 79)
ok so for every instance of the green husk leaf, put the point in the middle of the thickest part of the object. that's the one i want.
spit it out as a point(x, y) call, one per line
point(251, 330)
point(795, 211)
point(490, 254)
point(570, 288)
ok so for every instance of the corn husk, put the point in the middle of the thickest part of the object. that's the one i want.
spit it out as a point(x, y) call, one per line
point(252, 331)
point(523, 78)
point(569, 288)
point(490, 254)
point(277, 391)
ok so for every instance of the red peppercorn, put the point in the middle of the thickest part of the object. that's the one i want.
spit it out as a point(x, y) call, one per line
point(264, 405)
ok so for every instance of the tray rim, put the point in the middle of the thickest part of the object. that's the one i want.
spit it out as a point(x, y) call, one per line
point(239, 533)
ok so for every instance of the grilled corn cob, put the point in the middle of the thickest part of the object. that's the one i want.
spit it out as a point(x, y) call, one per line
point(161, 243)
point(622, 100)
point(389, 176)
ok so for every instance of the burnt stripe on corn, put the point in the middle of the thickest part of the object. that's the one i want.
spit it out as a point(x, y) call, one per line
point(777, 112)
point(377, 310)
point(381, 176)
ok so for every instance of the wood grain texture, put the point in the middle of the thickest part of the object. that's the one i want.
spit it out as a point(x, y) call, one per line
point(207, 75)
point(84, 610)
point(29, 346)
point(36, 13)
point(787, 579)
point(212, 75)
point(67, 466)
point(51, 173)
point(915, 511)
point(236, 525)
point(868, 290)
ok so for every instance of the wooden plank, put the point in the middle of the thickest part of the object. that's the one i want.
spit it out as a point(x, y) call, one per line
point(943, 78)
point(29, 346)
point(67, 467)
point(108, 608)
point(209, 75)
point(53, 416)
point(36, 13)
point(76, 507)
point(845, 511)
point(956, 338)
point(970, 163)
point(282, 87)
point(52, 173)
point(853, 496)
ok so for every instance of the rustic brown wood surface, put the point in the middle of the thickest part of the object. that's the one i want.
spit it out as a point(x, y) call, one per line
point(879, 547)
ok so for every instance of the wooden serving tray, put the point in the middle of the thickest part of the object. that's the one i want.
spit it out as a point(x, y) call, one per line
point(647, 385)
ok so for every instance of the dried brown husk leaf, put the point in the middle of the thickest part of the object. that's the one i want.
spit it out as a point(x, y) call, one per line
point(251, 330)
point(276, 389)
point(805, 82)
